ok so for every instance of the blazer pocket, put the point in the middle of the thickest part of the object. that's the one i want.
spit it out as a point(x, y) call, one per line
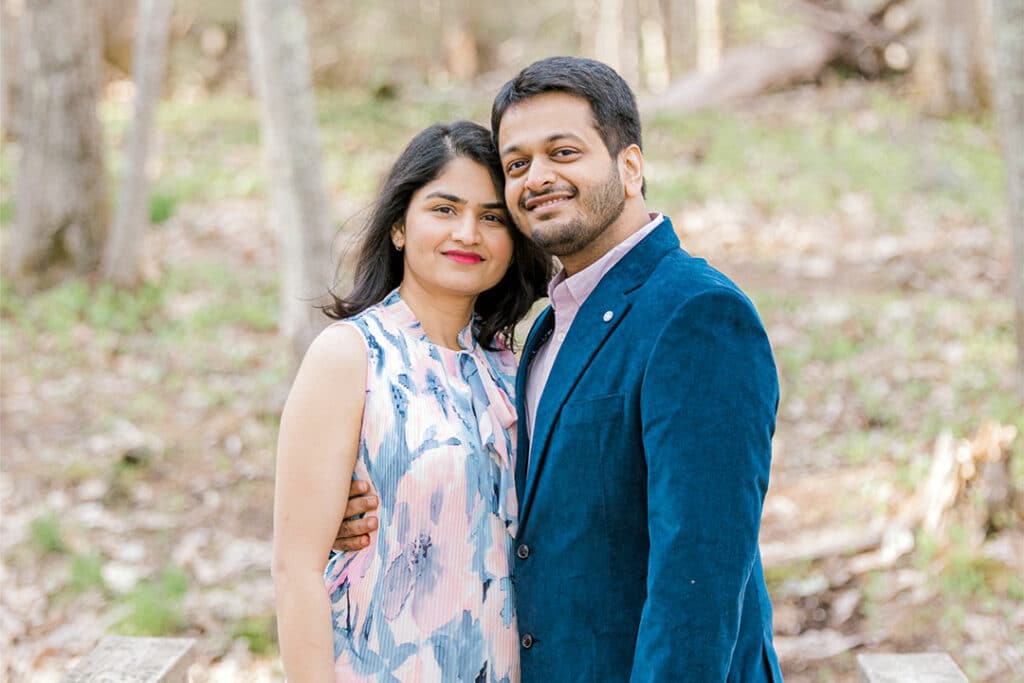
point(598, 409)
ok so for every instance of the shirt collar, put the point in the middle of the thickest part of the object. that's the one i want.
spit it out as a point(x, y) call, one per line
point(580, 285)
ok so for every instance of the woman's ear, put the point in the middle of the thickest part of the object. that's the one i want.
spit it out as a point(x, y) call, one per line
point(631, 165)
point(398, 236)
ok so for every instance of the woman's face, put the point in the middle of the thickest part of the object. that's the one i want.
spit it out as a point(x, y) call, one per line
point(456, 236)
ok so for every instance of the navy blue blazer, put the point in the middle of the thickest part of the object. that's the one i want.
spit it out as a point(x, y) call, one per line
point(636, 555)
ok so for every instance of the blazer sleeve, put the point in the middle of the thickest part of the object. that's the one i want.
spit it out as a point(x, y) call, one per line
point(708, 403)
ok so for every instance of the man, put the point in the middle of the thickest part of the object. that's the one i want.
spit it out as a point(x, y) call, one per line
point(647, 396)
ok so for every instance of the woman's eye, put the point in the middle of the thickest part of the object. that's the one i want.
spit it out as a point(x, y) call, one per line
point(494, 218)
point(445, 210)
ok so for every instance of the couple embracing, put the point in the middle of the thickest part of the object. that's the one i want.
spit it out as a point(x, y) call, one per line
point(591, 516)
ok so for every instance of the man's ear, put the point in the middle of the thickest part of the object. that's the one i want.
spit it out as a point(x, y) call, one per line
point(631, 168)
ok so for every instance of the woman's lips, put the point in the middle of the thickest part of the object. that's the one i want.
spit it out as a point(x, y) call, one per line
point(464, 256)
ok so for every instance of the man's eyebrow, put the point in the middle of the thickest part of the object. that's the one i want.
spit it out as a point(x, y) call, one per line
point(445, 195)
point(551, 138)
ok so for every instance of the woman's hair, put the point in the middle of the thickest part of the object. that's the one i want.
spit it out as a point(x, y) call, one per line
point(380, 267)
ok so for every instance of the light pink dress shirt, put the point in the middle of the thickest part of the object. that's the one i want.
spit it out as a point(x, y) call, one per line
point(567, 294)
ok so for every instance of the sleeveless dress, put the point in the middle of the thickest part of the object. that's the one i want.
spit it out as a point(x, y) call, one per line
point(431, 599)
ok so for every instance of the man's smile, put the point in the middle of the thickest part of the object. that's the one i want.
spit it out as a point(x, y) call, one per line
point(547, 200)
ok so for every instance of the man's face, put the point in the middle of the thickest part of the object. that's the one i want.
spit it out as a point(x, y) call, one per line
point(562, 186)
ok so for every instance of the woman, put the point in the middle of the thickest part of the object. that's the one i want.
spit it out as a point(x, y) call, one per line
point(412, 392)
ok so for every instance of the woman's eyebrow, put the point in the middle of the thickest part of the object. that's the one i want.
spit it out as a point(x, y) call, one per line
point(445, 195)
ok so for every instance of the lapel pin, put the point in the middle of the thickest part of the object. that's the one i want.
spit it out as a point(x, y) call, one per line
point(608, 316)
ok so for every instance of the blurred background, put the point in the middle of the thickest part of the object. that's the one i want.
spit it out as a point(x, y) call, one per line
point(179, 181)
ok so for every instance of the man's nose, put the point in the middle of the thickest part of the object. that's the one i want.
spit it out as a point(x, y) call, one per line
point(539, 176)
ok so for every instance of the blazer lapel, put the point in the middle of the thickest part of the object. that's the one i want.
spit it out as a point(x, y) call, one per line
point(597, 318)
point(539, 333)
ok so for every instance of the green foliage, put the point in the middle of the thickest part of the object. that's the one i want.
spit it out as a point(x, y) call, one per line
point(809, 164)
point(161, 207)
point(967, 574)
point(776, 576)
point(6, 212)
point(155, 606)
point(46, 534)
point(73, 302)
point(249, 302)
point(87, 572)
point(259, 633)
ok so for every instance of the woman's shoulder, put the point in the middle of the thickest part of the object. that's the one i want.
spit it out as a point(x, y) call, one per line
point(339, 346)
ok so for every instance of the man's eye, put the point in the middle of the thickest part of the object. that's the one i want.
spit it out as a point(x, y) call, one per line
point(515, 166)
point(564, 152)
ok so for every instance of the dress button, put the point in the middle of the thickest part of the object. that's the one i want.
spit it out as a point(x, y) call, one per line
point(527, 641)
point(523, 551)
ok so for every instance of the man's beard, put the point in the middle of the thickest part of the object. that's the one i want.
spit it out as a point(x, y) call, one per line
point(597, 211)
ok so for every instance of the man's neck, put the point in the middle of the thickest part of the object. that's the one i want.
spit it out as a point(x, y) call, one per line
point(633, 218)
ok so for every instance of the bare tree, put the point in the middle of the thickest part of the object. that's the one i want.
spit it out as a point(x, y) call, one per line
point(608, 30)
point(678, 24)
point(709, 34)
point(279, 60)
point(953, 71)
point(1008, 27)
point(121, 257)
point(61, 211)
point(9, 67)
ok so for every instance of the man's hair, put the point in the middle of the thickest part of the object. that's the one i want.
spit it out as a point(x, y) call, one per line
point(611, 100)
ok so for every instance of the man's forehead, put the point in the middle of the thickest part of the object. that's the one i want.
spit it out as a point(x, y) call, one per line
point(544, 118)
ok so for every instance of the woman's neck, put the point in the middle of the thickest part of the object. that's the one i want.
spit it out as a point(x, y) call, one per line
point(442, 317)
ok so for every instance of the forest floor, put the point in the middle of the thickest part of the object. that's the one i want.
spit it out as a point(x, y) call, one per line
point(139, 428)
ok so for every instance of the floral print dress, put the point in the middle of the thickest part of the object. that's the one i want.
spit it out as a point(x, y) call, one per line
point(431, 598)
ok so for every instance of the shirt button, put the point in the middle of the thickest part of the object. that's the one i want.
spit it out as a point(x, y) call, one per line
point(523, 551)
point(607, 317)
point(561, 336)
point(527, 641)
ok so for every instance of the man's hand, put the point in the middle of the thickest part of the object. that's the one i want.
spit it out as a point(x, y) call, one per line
point(353, 533)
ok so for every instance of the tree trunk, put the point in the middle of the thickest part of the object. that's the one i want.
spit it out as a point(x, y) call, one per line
point(61, 210)
point(279, 60)
point(585, 15)
point(954, 68)
point(709, 35)
point(678, 22)
point(750, 71)
point(10, 69)
point(121, 258)
point(655, 69)
point(1008, 25)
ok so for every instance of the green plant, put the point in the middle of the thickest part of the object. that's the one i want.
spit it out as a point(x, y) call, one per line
point(161, 207)
point(259, 633)
point(86, 572)
point(155, 606)
point(46, 534)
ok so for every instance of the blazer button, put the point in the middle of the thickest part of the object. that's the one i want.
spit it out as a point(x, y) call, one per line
point(527, 641)
point(523, 551)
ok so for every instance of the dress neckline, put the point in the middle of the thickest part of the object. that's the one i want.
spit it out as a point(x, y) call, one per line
point(398, 310)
